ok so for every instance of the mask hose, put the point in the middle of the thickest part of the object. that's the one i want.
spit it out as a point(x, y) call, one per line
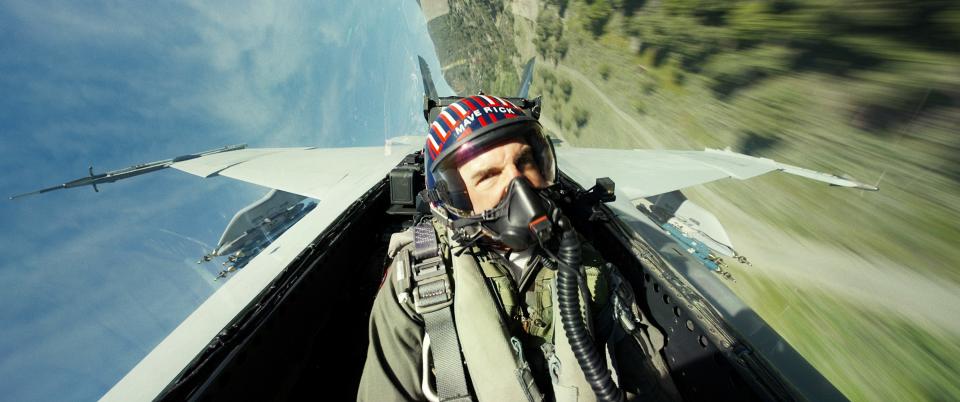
point(568, 293)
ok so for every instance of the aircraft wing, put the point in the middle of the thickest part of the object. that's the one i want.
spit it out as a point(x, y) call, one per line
point(310, 172)
point(643, 173)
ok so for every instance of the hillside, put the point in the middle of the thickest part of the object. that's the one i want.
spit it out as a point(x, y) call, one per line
point(475, 45)
point(865, 285)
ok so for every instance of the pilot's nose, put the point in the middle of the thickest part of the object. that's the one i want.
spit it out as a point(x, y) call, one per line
point(507, 175)
point(512, 172)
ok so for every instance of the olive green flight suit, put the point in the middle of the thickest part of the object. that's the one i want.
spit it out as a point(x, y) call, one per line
point(393, 370)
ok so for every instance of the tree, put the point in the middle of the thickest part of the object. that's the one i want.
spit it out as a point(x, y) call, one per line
point(597, 15)
point(561, 48)
point(580, 116)
point(566, 87)
point(561, 5)
point(549, 36)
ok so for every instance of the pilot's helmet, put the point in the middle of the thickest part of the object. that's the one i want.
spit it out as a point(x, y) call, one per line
point(468, 128)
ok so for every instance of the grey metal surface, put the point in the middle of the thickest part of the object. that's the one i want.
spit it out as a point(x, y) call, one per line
point(251, 217)
point(643, 173)
point(128, 172)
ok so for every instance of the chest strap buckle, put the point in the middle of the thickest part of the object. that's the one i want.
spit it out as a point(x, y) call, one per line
point(433, 291)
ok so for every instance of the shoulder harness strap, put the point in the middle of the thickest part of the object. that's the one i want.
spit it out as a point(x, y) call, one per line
point(432, 295)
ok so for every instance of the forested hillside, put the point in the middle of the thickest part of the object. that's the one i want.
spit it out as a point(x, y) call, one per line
point(475, 46)
point(863, 88)
point(861, 283)
point(897, 60)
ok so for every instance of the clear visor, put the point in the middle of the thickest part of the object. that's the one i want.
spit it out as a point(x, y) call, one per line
point(536, 160)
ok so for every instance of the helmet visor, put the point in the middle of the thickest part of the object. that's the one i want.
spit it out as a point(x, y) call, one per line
point(536, 155)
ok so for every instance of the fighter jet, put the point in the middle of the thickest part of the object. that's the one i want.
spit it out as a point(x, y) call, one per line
point(292, 323)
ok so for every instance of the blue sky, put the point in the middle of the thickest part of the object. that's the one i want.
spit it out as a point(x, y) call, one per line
point(91, 282)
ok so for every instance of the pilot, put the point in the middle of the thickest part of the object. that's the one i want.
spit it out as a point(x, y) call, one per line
point(476, 303)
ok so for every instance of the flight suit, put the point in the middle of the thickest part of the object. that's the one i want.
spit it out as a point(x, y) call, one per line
point(524, 309)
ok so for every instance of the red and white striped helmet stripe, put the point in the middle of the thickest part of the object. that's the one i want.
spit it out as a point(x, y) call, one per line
point(448, 119)
point(459, 109)
point(506, 102)
point(490, 101)
point(438, 131)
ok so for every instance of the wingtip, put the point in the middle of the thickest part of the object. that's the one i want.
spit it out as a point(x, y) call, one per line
point(855, 184)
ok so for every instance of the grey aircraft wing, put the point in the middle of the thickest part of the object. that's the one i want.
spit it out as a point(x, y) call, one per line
point(128, 172)
point(306, 171)
point(643, 173)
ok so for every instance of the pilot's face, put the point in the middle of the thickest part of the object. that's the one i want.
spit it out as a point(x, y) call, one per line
point(488, 175)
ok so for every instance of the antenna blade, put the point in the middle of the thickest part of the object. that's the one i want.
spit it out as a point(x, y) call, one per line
point(527, 79)
point(428, 88)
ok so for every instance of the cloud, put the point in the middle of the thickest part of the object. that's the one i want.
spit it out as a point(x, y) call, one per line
point(68, 22)
point(270, 61)
point(249, 65)
point(89, 283)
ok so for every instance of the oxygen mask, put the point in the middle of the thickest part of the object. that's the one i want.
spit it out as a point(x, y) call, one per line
point(521, 219)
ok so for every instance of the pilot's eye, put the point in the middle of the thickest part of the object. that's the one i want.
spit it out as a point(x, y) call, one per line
point(525, 160)
point(487, 176)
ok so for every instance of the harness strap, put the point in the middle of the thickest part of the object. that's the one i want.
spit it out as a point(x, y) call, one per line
point(445, 349)
point(433, 300)
point(425, 241)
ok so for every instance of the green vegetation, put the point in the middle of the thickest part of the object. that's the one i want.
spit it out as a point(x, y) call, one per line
point(891, 53)
point(559, 5)
point(597, 13)
point(566, 87)
point(550, 43)
point(473, 62)
point(580, 116)
point(863, 88)
point(889, 357)
point(866, 89)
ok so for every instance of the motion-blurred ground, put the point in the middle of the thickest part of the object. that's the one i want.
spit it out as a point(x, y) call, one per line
point(864, 285)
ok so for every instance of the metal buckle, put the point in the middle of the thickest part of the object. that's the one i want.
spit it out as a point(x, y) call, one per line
point(433, 291)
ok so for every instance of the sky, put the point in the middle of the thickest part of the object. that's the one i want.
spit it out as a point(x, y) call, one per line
point(91, 282)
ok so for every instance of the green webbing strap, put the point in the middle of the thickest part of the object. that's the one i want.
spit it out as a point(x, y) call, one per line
point(445, 349)
point(433, 300)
